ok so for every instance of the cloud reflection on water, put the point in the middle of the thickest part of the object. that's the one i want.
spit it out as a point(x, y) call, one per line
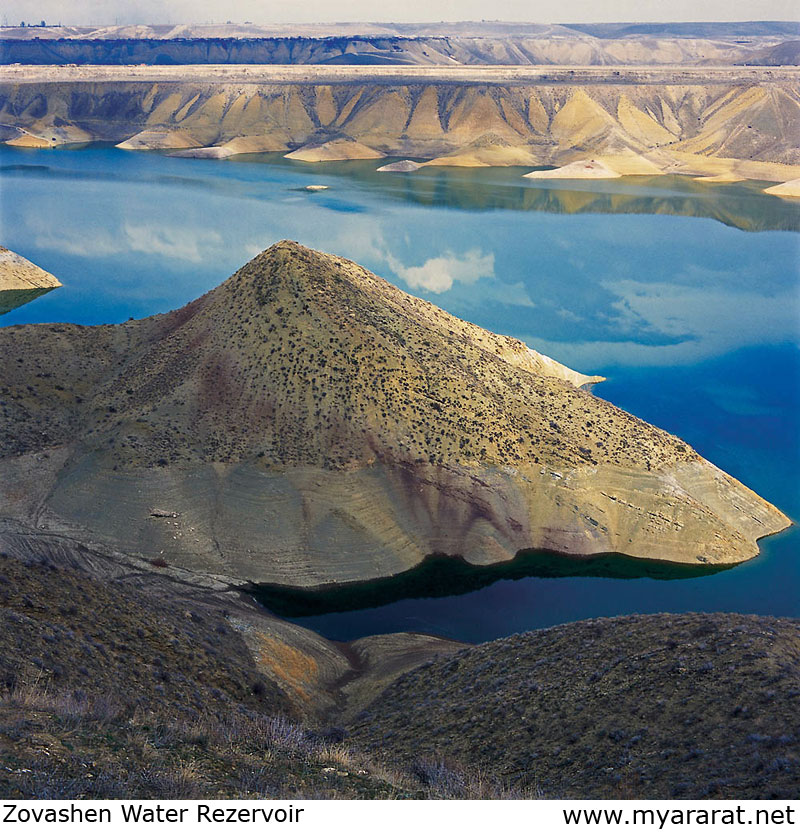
point(591, 290)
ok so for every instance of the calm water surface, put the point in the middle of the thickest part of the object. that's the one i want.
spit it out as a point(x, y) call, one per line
point(684, 295)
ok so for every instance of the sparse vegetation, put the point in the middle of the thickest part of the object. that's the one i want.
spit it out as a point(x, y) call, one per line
point(135, 681)
point(147, 698)
point(664, 706)
point(468, 442)
point(110, 690)
point(57, 747)
point(304, 358)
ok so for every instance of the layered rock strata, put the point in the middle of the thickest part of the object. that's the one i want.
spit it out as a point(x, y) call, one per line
point(735, 123)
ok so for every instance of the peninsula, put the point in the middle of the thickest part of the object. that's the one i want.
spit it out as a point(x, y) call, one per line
point(21, 281)
point(184, 497)
point(308, 423)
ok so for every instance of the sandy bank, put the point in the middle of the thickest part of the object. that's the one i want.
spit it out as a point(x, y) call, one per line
point(21, 281)
point(405, 166)
point(150, 140)
point(590, 169)
point(785, 189)
point(204, 153)
point(18, 273)
point(334, 151)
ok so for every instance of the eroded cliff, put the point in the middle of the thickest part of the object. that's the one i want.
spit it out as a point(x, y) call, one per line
point(734, 124)
point(448, 43)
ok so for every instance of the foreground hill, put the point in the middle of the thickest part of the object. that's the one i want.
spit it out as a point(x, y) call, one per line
point(662, 706)
point(720, 122)
point(175, 690)
point(117, 681)
point(306, 423)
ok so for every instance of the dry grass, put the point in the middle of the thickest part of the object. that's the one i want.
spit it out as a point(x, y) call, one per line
point(148, 698)
point(662, 706)
point(54, 746)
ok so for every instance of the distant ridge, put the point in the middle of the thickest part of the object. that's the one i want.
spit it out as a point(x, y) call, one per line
point(465, 28)
point(732, 123)
point(711, 29)
point(475, 43)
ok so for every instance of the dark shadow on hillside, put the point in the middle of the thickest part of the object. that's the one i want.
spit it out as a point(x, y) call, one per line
point(442, 576)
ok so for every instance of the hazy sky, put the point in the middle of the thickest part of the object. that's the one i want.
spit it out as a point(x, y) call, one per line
point(103, 12)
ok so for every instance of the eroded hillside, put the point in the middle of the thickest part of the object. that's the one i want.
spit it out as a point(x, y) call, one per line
point(390, 43)
point(717, 125)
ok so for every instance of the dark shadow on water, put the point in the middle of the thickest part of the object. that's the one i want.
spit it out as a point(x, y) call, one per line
point(443, 576)
point(11, 299)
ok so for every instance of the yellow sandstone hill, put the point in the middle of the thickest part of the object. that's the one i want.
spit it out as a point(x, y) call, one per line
point(336, 149)
point(307, 423)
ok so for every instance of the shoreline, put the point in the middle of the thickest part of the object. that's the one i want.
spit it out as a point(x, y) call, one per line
point(715, 171)
point(592, 121)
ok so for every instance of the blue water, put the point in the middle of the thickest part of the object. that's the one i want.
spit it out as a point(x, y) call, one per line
point(684, 295)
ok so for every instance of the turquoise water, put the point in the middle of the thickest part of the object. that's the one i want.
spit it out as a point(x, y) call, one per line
point(684, 295)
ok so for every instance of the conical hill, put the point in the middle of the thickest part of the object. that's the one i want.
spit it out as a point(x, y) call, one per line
point(307, 422)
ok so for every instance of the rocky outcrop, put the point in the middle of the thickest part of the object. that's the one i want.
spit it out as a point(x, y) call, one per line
point(21, 281)
point(309, 423)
